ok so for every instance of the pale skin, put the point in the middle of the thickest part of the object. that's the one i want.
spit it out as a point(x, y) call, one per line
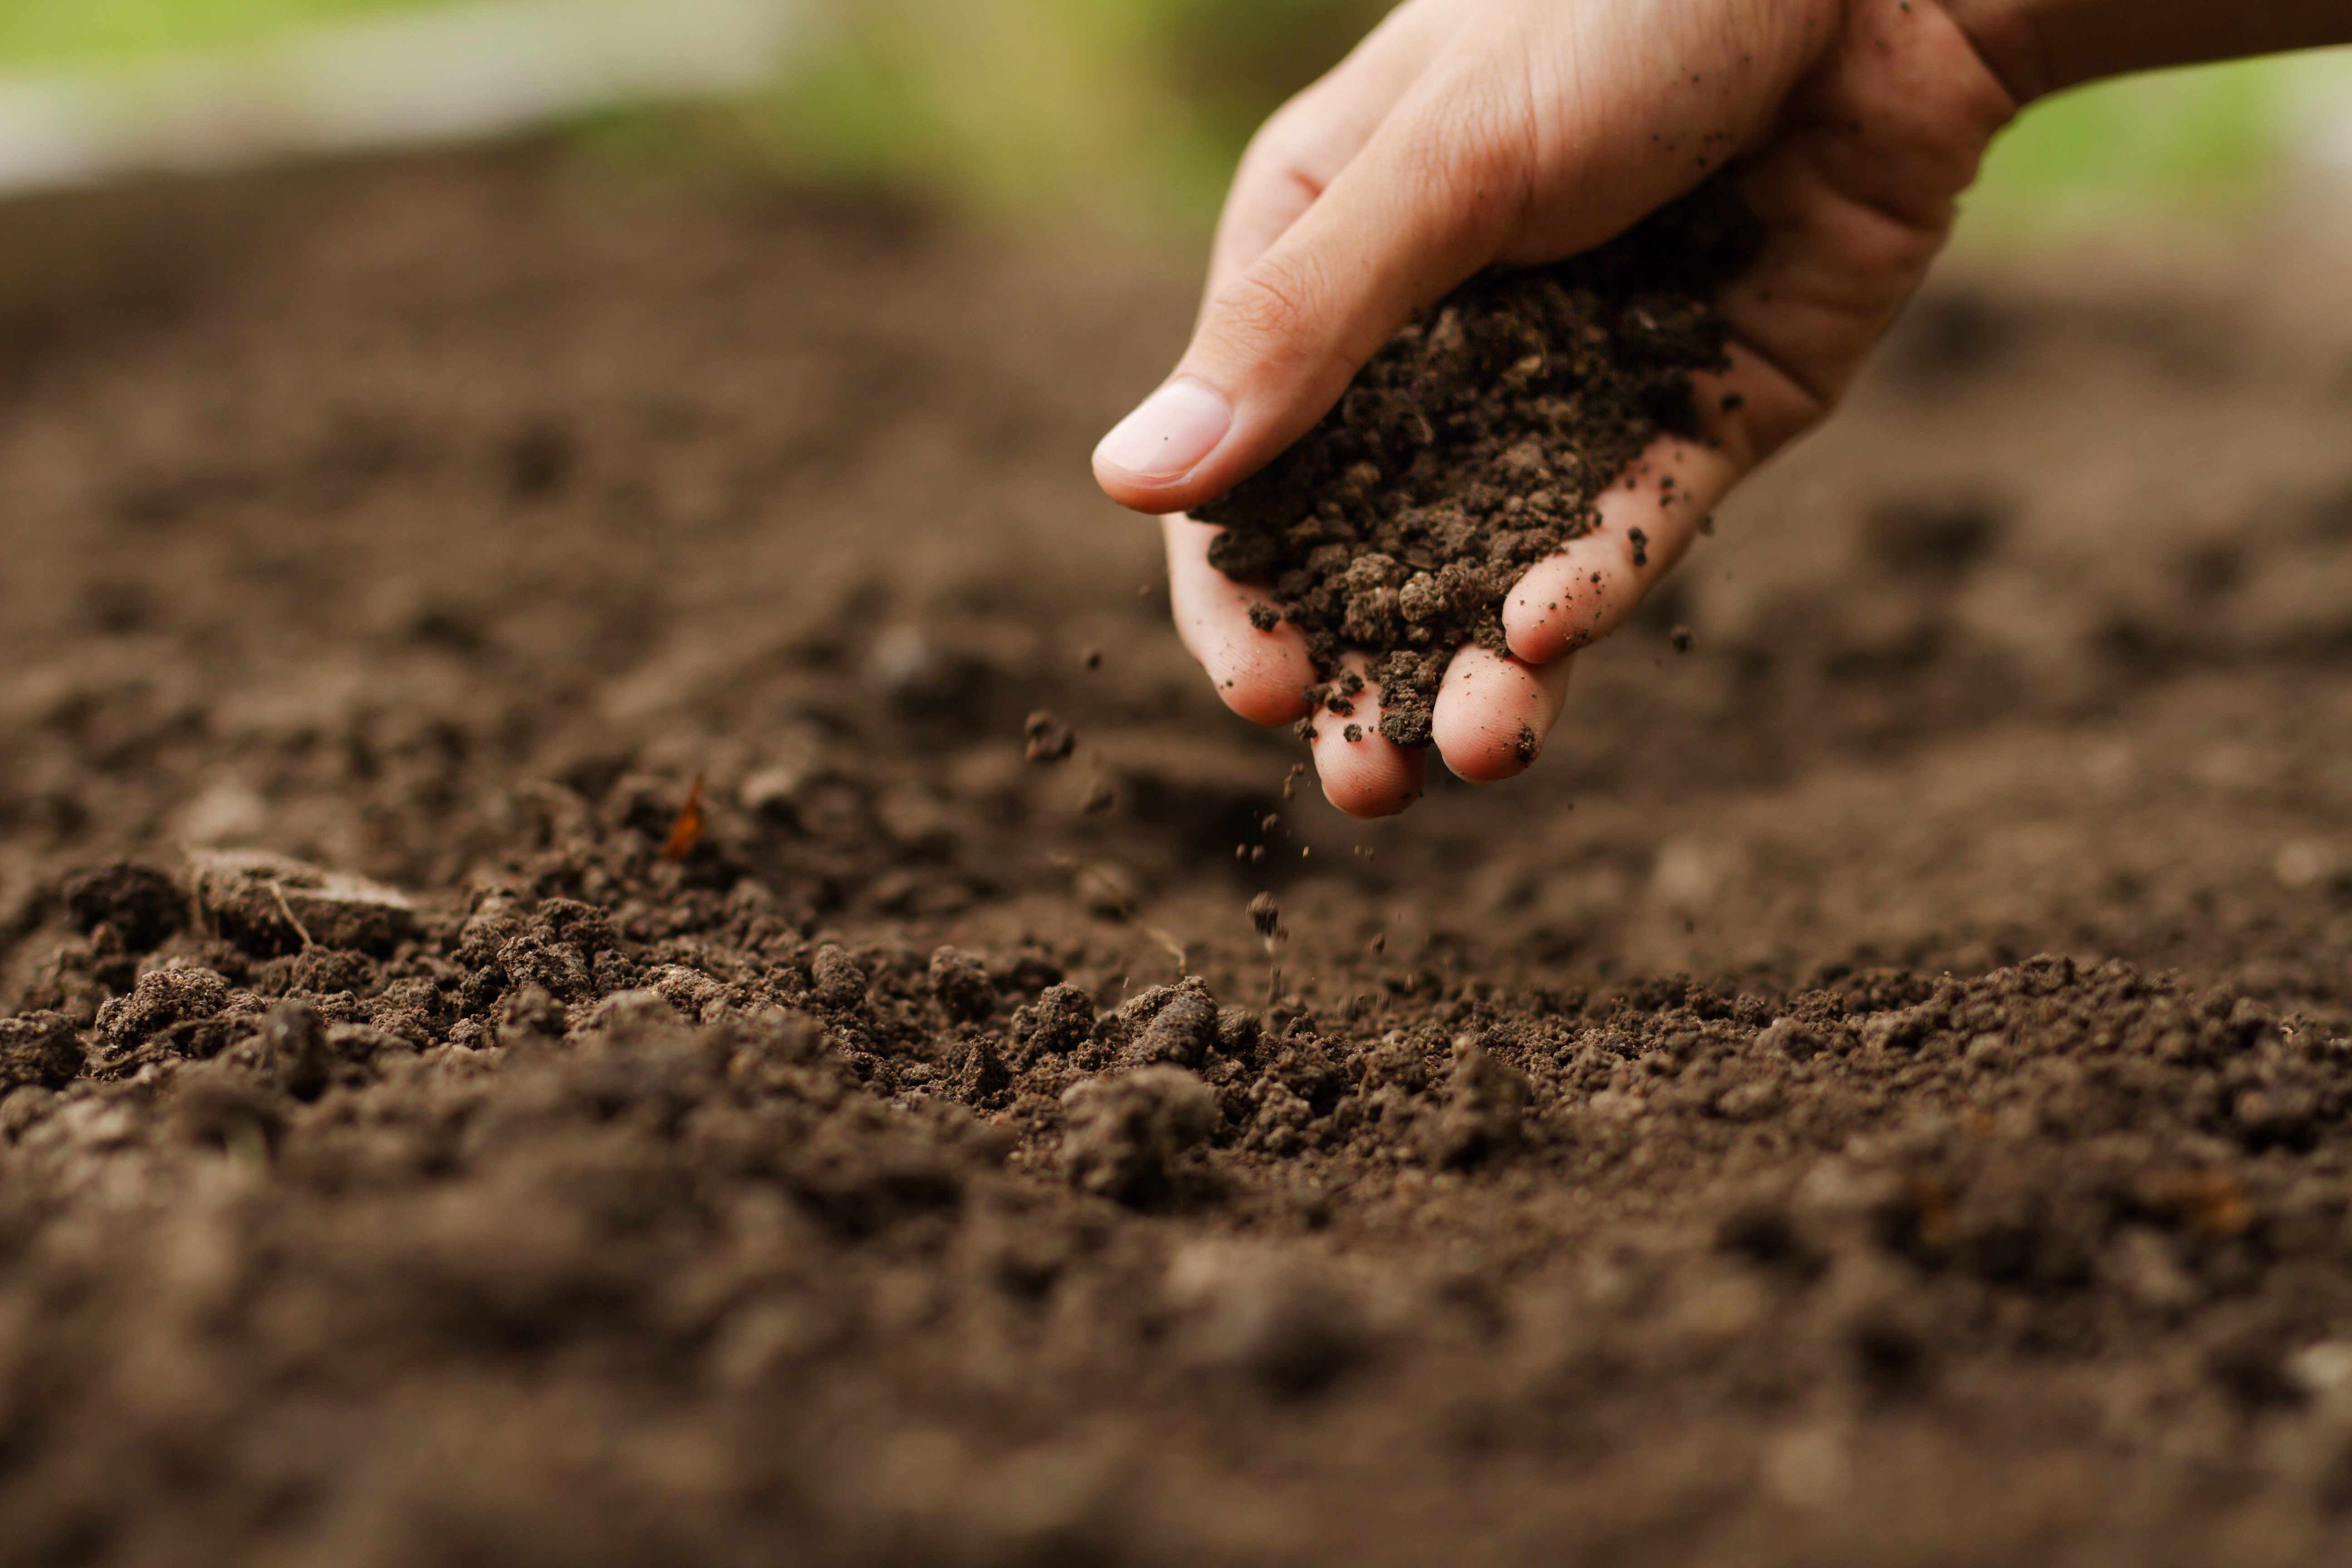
point(1467, 133)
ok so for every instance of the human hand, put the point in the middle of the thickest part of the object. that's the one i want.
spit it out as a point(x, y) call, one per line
point(1467, 132)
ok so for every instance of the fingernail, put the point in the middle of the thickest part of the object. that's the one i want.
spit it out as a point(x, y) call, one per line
point(1167, 437)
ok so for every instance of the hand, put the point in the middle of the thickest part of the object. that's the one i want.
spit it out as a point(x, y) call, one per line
point(1467, 132)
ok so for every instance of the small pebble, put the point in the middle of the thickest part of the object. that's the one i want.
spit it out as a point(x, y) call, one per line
point(1265, 914)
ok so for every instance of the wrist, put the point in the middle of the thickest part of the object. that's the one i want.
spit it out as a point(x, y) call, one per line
point(2040, 47)
point(2006, 38)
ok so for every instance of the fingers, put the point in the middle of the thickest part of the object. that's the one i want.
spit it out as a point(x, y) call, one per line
point(1851, 224)
point(1648, 518)
point(1364, 773)
point(1492, 714)
point(1421, 206)
point(1262, 675)
point(1856, 194)
point(1300, 152)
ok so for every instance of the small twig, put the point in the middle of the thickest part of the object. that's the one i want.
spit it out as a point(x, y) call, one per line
point(278, 891)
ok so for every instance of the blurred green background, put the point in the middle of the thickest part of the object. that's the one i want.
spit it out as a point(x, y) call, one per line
point(1134, 110)
point(50, 32)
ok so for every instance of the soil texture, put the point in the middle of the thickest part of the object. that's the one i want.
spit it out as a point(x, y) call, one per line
point(625, 937)
point(1472, 445)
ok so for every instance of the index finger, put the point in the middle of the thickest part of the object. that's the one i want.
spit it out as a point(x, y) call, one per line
point(1308, 141)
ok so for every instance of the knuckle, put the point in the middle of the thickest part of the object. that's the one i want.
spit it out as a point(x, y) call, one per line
point(1286, 140)
point(1267, 175)
point(1297, 151)
point(1271, 307)
point(1476, 147)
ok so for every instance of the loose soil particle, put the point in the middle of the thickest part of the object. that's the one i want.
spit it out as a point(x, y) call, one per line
point(1472, 446)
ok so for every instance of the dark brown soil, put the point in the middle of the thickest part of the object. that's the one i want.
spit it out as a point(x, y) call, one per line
point(1472, 446)
point(1878, 1095)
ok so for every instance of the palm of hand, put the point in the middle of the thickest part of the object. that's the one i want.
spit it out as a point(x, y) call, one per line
point(1466, 133)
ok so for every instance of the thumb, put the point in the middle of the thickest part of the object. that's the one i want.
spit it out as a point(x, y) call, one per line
point(1419, 209)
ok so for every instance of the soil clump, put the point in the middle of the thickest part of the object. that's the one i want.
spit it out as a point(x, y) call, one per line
point(1472, 445)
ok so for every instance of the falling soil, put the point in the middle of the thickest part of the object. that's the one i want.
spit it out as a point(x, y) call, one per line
point(1883, 1097)
point(1472, 446)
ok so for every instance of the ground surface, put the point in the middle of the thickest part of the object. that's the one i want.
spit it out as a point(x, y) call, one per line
point(1876, 1093)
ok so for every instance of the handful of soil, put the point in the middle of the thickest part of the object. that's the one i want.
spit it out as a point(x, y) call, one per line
point(1473, 445)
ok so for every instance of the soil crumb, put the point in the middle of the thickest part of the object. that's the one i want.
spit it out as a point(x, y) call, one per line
point(1049, 739)
point(1265, 915)
point(1473, 445)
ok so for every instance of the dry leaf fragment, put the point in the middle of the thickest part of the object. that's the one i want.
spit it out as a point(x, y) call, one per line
point(687, 831)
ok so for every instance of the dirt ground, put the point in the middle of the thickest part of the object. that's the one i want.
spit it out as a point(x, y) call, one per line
point(1875, 1093)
